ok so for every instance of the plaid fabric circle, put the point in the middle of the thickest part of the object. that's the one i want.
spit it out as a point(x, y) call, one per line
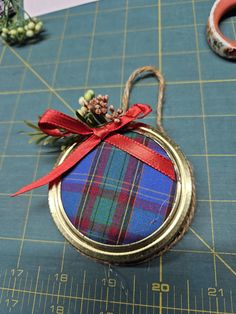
point(113, 198)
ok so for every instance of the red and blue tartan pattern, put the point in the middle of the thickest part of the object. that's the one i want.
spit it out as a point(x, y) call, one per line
point(113, 198)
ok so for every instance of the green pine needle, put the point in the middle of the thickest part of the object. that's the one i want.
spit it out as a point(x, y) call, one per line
point(31, 125)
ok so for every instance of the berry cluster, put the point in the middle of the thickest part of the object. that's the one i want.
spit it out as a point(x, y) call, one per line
point(114, 115)
point(21, 31)
point(98, 104)
point(14, 28)
point(98, 107)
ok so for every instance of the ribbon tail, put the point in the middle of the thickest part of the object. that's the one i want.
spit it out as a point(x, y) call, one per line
point(82, 150)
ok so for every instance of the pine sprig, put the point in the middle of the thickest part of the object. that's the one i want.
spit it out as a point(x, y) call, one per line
point(40, 138)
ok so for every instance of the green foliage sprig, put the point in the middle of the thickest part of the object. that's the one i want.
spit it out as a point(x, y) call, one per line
point(15, 28)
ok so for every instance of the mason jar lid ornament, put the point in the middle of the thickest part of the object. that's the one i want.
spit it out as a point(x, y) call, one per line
point(123, 192)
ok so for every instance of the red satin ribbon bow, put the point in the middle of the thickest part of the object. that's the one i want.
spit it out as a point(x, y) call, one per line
point(52, 122)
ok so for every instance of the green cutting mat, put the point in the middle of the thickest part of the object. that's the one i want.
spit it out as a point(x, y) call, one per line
point(97, 46)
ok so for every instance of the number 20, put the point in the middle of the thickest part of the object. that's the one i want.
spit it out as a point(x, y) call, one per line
point(160, 287)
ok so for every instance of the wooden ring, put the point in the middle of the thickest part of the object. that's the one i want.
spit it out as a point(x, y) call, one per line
point(219, 43)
